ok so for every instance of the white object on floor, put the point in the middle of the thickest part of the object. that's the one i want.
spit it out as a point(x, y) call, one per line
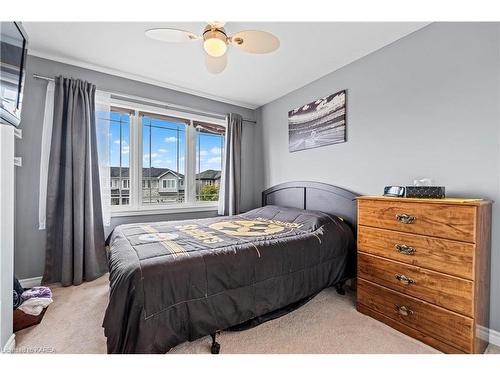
point(34, 306)
point(10, 345)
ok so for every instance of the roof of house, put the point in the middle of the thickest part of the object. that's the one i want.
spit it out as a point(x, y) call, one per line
point(180, 175)
point(155, 172)
point(209, 174)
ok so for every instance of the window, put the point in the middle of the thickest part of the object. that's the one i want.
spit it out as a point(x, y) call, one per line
point(119, 140)
point(161, 159)
point(169, 184)
point(209, 148)
point(164, 155)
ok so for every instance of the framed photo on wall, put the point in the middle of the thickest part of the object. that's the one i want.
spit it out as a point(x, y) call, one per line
point(319, 123)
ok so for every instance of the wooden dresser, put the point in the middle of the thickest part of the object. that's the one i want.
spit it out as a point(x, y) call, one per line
point(424, 268)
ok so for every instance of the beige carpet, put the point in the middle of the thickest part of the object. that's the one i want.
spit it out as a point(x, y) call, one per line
point(327, 324)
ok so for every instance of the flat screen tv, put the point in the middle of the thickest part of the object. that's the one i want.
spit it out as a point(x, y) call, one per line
point(13, 50)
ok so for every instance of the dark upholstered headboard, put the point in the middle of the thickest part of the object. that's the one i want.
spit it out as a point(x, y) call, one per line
point(314, 196)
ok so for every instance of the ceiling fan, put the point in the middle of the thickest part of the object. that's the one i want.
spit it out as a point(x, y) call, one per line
point(216, 41)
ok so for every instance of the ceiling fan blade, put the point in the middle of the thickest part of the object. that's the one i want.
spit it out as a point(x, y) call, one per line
point(215, 65)
point(255, 41)
point(171, 35)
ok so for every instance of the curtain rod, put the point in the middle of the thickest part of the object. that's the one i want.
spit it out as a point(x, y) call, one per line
point(171, 106)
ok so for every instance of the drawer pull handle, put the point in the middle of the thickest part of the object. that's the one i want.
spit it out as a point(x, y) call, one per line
point(403, 310)
point(405, 249)
point(405, 219)
point(404, 279)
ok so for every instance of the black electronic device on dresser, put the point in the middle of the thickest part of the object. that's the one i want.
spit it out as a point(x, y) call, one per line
point(394, 191)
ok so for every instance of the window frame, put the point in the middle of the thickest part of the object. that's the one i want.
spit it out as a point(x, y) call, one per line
point(135, 206)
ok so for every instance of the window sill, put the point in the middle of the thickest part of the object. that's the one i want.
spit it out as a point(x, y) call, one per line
point(163, 210)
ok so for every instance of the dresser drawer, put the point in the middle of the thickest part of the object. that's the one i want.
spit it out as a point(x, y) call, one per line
point(449, 292)
point(451, 257)
point(438, 220)
point(450, 327)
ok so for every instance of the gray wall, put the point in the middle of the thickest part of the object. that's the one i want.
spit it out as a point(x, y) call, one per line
point(29, 241)
point(424, 106)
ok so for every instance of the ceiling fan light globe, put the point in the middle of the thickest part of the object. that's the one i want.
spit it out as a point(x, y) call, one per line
point(215, 47)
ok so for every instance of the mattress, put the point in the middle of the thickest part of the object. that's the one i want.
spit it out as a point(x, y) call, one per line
point(177, 281)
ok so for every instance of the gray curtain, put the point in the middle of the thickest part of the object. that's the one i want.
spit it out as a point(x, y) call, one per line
point(230, 189)
point(75, 249)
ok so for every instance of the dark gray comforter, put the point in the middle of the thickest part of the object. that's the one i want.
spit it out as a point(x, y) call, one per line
point(181, 280)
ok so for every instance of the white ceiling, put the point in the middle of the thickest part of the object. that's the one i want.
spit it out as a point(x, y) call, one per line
point(308, 51)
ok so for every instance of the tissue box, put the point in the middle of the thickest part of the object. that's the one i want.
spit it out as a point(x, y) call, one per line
point(425, 192)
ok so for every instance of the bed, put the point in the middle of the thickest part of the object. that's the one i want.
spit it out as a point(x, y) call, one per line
point(178, 281)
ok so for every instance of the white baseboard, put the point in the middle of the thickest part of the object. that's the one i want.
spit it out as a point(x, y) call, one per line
point(494, 337)
point(30, 283)
point(10, 345)
point(490, 335)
